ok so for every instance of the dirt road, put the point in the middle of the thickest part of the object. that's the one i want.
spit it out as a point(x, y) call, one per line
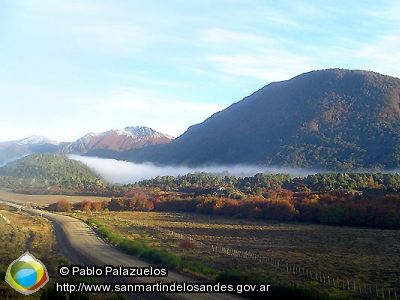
point(82, 246)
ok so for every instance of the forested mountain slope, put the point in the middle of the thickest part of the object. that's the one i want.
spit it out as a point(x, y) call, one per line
point(330, 119)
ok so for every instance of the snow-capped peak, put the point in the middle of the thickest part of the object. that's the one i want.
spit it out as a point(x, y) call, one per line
point(139, 132)
point(36, 140)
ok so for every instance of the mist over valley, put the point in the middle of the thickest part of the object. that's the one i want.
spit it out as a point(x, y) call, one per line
point(124, 172)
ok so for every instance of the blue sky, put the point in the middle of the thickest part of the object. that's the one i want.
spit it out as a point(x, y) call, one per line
point(73, 67)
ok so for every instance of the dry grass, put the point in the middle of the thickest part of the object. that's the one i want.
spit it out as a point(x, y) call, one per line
point(44, 200)
point(371, 256)
point(26, 233)
point(33, 234)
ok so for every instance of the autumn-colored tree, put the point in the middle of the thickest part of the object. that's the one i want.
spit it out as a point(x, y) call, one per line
point(206, 204)
point(149, 205)
point(140, 204)
point(230, 207)
point(63, 206)
point(86, 206)
point(104, 205)
point(130, 203)
point(283, 211)
point(96, 206)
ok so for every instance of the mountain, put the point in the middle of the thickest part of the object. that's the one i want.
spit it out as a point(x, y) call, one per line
point(329, 119)
point(32, 144)
point(116, 140)
point(110, 142)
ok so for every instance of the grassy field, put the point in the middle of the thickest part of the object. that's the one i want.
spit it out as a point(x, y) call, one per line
point(26, 233)
point(44, 200)
point(368, 256)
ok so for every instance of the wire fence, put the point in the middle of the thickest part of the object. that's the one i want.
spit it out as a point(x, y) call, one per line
point(347, 284)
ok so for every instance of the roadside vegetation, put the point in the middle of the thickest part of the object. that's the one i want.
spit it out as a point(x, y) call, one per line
point(182, 255)
point(348, 253)
point(34, 234)
point(25, 233)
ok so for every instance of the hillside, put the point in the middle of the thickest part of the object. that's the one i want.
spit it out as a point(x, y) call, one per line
point(48, 171)
point(329, 119)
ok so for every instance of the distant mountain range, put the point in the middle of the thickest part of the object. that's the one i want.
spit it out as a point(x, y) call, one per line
point(334, 119)
point(117, 140)
point(114, 140)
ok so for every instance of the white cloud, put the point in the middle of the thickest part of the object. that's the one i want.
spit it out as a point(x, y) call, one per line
point(262, 65)
point(118, 36)
point(219, 35)
point(123, 106)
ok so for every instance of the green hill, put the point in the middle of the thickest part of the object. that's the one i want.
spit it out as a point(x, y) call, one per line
point(46, 171)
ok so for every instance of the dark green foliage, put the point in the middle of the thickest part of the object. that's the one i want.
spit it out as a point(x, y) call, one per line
point(221, 184)
point(48, 171)
point(345, 182)
point(337, 120)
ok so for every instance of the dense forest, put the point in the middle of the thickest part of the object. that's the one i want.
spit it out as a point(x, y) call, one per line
point(48, 172)
point(356, 199)
point(359, 199)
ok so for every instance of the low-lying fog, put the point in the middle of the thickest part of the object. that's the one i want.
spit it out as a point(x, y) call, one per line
point(116, 171)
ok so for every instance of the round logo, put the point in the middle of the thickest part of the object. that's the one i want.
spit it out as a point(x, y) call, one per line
point(27, 274)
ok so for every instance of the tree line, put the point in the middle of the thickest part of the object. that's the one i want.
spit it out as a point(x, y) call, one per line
point(353, 199)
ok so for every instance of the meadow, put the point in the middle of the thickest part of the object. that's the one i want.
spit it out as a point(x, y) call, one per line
point(367, 256)
point(44, 200)
point(24, 233)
